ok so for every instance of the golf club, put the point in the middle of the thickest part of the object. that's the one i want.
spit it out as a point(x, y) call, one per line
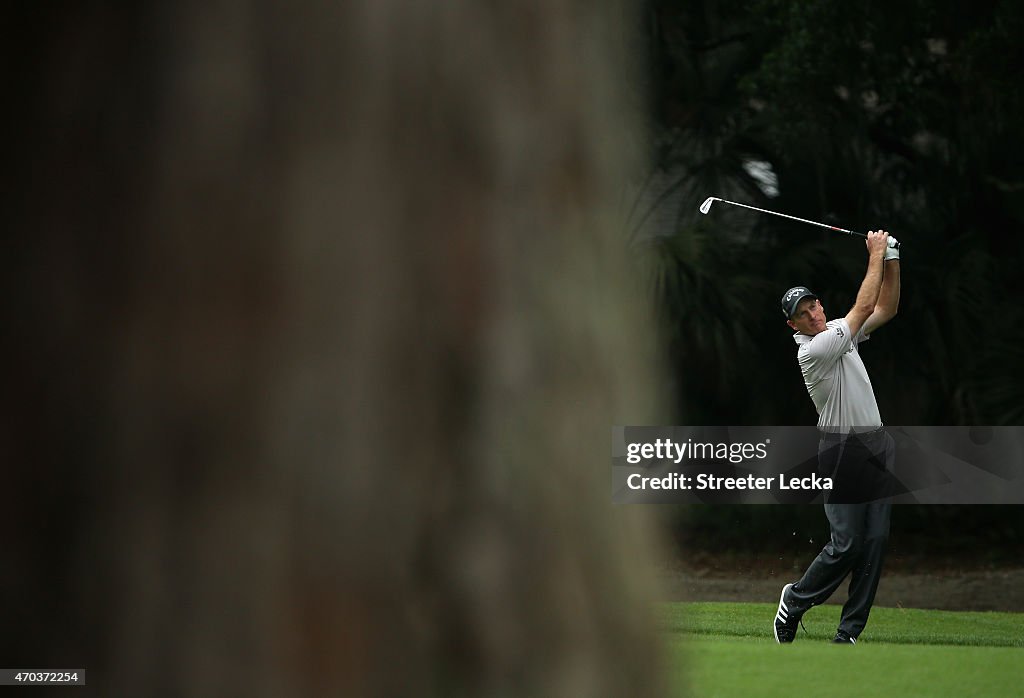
point(706, 206)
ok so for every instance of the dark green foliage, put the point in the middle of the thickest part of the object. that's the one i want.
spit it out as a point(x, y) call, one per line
point(903, 115)
point(956, 536)
point(898, 115)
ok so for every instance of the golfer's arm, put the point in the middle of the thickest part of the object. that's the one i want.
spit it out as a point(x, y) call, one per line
point(867, 296)
point(888, 297)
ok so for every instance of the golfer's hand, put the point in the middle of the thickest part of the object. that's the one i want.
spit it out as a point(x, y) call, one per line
point(877, 242)
point(893, 250)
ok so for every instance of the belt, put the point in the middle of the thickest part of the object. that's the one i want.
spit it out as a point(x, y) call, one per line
point(841, 435)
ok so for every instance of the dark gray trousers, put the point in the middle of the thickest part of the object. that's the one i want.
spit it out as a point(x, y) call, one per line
point(858, 514)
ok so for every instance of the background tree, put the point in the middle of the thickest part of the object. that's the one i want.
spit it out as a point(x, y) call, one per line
point(901, 116)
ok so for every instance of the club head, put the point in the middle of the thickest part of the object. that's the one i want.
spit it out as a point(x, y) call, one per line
point(706, 206)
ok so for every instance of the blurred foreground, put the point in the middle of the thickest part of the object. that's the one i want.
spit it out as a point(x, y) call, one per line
point(320, 324)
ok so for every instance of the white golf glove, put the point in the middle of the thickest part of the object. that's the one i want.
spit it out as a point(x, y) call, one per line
point(893, 250)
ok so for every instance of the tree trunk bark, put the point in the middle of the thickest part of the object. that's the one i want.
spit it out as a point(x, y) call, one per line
point(321, 319)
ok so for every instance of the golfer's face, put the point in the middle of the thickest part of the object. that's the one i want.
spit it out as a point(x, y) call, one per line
point(809, 317)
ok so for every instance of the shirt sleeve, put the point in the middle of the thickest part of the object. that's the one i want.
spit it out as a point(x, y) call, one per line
point(830, 345)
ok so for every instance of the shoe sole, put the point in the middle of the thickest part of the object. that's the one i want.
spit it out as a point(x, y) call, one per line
point(782, 603)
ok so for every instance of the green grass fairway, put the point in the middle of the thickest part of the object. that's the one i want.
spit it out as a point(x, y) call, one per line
point(727, 649)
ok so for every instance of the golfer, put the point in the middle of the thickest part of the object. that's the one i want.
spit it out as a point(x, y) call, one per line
point(854, 450)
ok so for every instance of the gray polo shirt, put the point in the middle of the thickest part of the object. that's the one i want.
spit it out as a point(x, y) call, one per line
point(837, 380)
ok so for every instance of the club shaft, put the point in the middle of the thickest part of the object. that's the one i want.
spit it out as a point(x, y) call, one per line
point(794, 218)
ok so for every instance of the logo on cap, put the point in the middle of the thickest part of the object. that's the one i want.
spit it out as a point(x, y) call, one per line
point(792, 297)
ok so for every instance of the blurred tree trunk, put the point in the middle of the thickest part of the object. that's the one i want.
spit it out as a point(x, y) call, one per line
point(320, 323)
